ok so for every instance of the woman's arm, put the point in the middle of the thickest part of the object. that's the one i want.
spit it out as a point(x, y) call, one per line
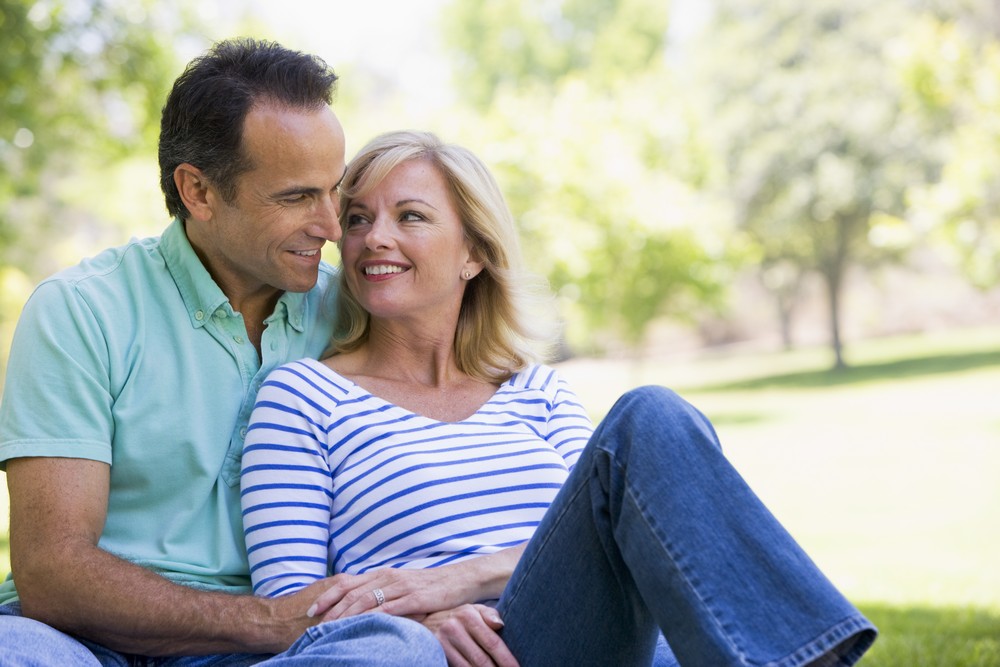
point(417, 593)
point(286, 491)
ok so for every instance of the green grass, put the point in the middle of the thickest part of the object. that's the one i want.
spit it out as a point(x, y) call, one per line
point(933, 637)
point(888, 473)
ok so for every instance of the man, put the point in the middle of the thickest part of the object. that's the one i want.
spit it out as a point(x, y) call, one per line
point(132, 377)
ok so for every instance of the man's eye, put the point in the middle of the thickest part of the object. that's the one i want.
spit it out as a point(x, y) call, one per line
point(293, 199)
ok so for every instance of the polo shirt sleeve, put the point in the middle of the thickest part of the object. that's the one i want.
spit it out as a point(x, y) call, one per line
point(56, 399)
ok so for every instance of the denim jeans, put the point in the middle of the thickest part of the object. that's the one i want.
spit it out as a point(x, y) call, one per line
point(654, 531)
point(370, 640)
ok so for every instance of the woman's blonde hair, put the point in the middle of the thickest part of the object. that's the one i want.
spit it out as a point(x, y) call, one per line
point(498, 331)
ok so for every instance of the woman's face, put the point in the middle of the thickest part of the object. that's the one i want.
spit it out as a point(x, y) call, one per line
point(404, 248)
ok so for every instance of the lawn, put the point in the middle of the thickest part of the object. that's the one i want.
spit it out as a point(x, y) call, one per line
point(888, 473)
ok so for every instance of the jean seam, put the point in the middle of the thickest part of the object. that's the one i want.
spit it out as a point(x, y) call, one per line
point(511, 595)
point(829, 639)
point(690, 578)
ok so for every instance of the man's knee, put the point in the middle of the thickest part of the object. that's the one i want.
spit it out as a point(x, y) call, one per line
point(354, 640)
point(30, 643)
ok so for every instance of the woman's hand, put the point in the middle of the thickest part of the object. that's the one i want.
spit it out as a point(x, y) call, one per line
point(416, 593)
point(469, 636)
point(412, 593)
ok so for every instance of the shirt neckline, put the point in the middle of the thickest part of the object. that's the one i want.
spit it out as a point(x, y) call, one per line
point(356, 389)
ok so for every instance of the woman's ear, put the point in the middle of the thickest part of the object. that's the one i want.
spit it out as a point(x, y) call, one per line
point(193, 188)
point(473, 265)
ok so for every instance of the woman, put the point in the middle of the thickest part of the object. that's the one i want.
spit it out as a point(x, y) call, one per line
point(429, 454)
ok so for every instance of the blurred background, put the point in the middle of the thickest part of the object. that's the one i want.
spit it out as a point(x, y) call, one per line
point(787, 211)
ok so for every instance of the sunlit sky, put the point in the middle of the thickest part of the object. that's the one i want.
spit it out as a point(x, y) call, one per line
point(398, 39)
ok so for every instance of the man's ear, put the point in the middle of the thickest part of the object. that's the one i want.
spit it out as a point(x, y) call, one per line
point(193, 188)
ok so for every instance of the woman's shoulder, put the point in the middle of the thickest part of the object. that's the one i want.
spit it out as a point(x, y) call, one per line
point(308, 378)
point(536, 376)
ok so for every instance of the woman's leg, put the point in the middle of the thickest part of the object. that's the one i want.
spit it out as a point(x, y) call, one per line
point(654, 527)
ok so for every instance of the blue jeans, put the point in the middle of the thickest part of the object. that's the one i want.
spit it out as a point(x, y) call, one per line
point(370, 640)
point(654, 531)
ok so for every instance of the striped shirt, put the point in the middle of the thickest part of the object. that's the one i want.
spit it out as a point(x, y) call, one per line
point(338, 480)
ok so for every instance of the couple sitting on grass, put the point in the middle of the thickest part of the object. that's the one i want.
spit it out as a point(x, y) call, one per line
point(427, 468)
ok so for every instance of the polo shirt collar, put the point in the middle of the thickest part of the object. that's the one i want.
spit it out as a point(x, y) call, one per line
point(201, 295)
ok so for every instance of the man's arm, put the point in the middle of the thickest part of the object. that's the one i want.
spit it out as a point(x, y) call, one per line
point(57, 512)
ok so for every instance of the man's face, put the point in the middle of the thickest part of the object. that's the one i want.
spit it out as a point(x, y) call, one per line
point(269, 238)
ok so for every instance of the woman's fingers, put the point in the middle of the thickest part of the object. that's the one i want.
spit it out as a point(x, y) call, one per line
point(469, 636)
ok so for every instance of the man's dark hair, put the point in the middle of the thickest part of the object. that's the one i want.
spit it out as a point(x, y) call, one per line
point(203, 118)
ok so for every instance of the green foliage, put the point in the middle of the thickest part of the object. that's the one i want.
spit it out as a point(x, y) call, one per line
point(82, 85)
point(597, 157)
point(953, 72)
point(610, 230)
point(517, 44)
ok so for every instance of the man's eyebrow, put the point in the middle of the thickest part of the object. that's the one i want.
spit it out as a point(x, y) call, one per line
point(342, 177)
point(298, 190)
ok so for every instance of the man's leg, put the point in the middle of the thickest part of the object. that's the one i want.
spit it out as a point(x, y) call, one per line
point(368, 640)
point(654, 527)
point(30, 643)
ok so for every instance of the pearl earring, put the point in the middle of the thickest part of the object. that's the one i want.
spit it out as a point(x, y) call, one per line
point(468, 275)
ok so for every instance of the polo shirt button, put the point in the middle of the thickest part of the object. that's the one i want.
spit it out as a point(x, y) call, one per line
point(238, 339)
point(243, 432)
point(199, 315)
point(274, 345)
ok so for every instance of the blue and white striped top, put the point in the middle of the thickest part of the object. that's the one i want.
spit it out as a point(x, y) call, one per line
point(338, 480)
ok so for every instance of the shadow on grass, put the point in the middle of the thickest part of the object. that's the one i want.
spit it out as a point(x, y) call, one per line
point(930, 636)
point(861, 373)
point(736, 418)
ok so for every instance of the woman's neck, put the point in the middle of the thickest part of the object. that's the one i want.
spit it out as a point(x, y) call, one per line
point(418, 373)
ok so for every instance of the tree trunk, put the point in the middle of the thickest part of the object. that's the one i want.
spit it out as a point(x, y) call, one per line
point(833, 285)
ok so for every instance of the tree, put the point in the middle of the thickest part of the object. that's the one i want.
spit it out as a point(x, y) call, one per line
point(82, 85)
point(819, 148)
point(952, 68)
point(514, 44)
point(596, 154)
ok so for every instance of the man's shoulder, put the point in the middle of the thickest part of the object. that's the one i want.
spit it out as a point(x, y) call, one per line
point(119, 263)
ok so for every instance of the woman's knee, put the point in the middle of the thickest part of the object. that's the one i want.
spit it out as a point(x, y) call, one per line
point(653, 402)
point(658, 414)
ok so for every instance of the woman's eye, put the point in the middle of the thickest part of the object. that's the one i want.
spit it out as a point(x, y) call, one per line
point(355, 220)
point(411, 216)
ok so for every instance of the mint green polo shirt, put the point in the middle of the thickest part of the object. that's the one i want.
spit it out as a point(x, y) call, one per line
point(135, 358)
